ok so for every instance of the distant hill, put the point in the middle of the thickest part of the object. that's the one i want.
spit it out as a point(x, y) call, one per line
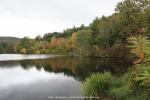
point(8, 39)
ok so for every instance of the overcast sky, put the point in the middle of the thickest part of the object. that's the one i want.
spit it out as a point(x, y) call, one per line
point(33, 17)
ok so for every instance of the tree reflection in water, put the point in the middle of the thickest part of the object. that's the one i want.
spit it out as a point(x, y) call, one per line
point(79, 68)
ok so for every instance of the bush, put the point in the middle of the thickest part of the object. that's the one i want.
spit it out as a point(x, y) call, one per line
point(134, 85)
point(98, 84)
point(138, 95)
point(120, 88)
point(120, 92)
point(140, 77)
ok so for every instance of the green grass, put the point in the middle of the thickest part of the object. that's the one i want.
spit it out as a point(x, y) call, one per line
point(98, 84)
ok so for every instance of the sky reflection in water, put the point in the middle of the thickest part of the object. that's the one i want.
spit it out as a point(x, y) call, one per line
point(36, 77)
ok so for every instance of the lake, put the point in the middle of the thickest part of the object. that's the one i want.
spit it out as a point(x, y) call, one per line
point(38, 77)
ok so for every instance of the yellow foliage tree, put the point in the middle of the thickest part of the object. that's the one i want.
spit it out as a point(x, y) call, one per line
point(23, 51)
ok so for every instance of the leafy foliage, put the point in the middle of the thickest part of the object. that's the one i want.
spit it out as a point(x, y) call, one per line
point(140, 46)
point(97, 84)
point(104, 37)
point(140, 77)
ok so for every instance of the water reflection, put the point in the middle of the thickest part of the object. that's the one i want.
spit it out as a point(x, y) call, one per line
point(79, 68)
point(16, 76)
point(37, 79)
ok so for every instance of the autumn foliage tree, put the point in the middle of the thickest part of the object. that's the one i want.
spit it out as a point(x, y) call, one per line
point(140, 46)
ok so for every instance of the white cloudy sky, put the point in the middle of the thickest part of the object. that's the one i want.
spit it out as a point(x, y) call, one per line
point(32, 17)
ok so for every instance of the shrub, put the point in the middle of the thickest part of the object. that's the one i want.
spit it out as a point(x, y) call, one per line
point(119, 92)
point(98, 84)
point(140, 77)
point(134, 85)
point(120, 88)
point(138, 95)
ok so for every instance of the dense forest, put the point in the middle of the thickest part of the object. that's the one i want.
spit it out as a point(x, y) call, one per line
point(106, 36)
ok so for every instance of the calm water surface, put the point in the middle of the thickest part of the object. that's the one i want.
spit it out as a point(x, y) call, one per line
point(37, 77)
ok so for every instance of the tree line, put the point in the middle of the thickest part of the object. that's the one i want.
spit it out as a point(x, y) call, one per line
point(106, 36)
